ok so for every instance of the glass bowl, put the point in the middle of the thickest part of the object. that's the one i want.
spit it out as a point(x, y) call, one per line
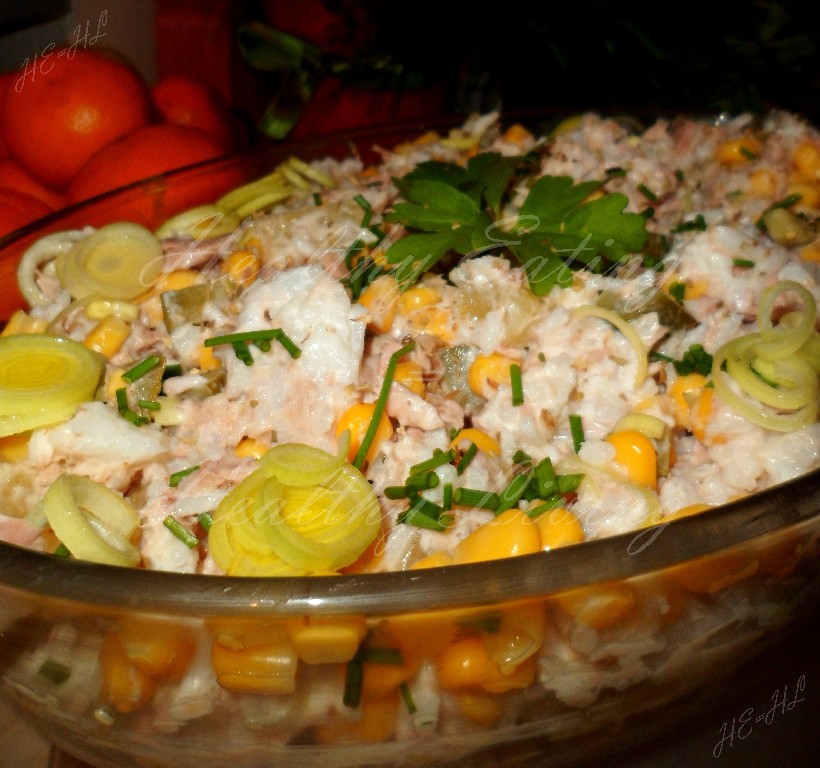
point(634, 633)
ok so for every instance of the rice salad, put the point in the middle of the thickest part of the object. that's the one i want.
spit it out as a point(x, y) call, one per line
point(488, 344)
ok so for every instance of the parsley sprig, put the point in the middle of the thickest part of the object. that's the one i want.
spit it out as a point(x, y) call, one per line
point(449, 208)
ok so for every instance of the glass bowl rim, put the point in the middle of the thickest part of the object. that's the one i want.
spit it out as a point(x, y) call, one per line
point(633, 553)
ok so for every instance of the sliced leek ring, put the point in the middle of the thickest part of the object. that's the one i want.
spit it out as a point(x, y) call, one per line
point(46, 249)
point(302, 510)
point(24, 422)
point(631, 335)
point(117, 261)
point(200, 223)
point(44, 378)
point(92, 521)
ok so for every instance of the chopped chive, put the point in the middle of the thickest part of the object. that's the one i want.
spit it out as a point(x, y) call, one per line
point(205, 520)
point(354, 675)
point(784, 202)
point(122, 399)
point(62, 551)
point(317, 198)
point(615, 172)
point(422, 481)
point(181, 532)
point(378, 232)
point(544, 477)
point(510, 496)
point(679, 175)
point(517, 385)
point(438, 459)
point(362, 202)
point(407, 697)
point(677, 291)
point(414, 516)
point(175, 479)
point(569, 483)
point(552, 503)
point(426, 507)
point(647, 193)
point(747, 153)
point(381, 402)
point(149, 405)
point(647, 213)
point(380, 655)
point(262, 339)
point(472, 497)
point(447, 496)
point(351, 251)
point(698, 224)
point(288, 344)
point(399, 492)
point(240, 349)
point(54, 672)
point(141, 368)
point(174, 369)
point(522, 457)
point(126, 412)
point(468, 456)
point(743, 263)
point(576, 428)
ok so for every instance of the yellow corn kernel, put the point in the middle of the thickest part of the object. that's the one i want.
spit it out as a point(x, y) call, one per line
point(738, 151)
point(479, 707)
point(124, 686)
point(689, 509)
point(510, 534)
point(125, 310)
point(250, 448)
point(326, 640)
point(519, 636)
point(465, 664)
point(434, 560)
point(411, 375)
point(598, 606)
point(712, 573)
point(381, 298)
point(806, 159)
point(488, 372)
point(376, 723)
point(809, 195)
point(433, 322)
point(14, 448)
point(700, 412)
point(157, 648)
point(22, 322)
point(266, 668)
point(357, 419)
point(241, 266)
point(517, 134)
point(425, 633)
point(418, 297)
point(567, 125)
point(177, 280)
point(483, 441)
point(108, 336)
point(811, 252)
point(763, 183)
point(207, 360)
point(683, 392)
point(115, 382)
point(557, 528)
point(636, 453)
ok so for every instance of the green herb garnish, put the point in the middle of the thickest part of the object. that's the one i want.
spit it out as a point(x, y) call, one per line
point(448, 208)
point(576, 428)
point(176, 478)
point(743, 263)
point(677, 291)
point(517, 385)
point(181, 532)
point(261, 339)
point(698, 224)
point(695, 360)
point(141, 368)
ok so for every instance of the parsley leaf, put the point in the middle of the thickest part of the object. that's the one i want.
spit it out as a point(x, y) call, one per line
point(450, 208)
point(695, 360)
